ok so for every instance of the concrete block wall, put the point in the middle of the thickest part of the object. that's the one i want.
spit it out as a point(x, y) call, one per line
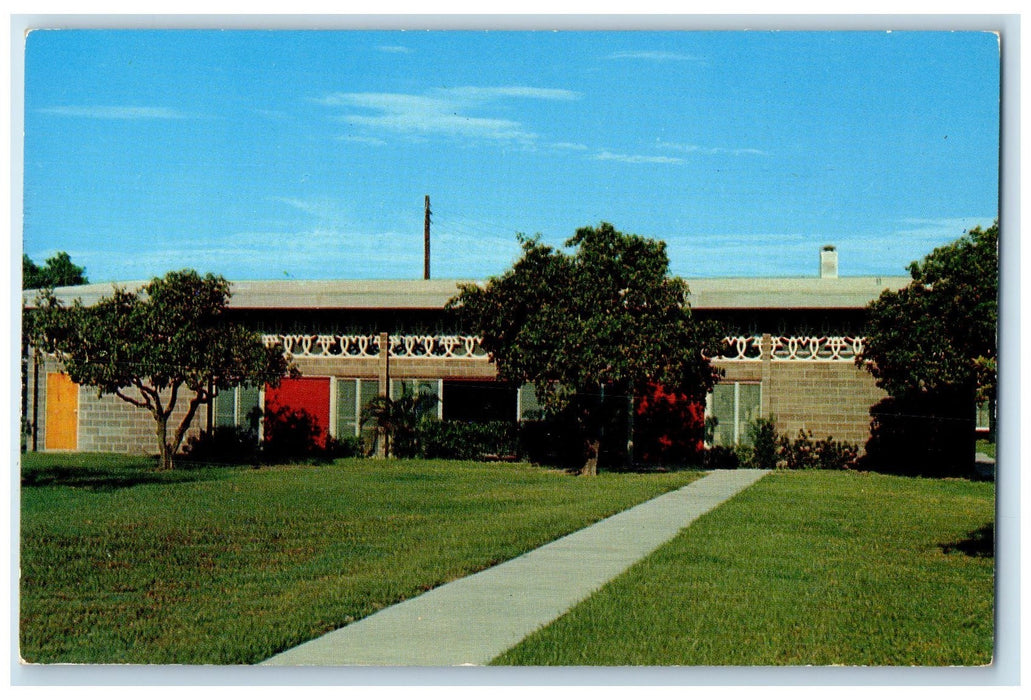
point(39, 399)
point(108, 424)
point(828, 398)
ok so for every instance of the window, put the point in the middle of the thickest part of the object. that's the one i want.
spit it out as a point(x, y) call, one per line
point(353, 396)
point(529, 407)
point(984, 417)
point(478, 402)
point(734, 405)
point(414, 387)
point(237, 407)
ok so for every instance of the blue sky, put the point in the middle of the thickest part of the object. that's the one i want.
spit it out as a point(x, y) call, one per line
point(275, 154)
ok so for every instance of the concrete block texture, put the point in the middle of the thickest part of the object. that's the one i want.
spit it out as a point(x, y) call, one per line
point(829, 398)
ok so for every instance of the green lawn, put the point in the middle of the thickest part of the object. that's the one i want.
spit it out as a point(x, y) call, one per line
point(120, 564)
point(803, 568)
point(987, 447)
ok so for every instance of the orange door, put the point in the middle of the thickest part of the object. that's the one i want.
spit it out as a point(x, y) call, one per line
point(62, 427)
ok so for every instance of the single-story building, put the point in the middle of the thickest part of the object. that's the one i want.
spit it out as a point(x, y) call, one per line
point(790, 356)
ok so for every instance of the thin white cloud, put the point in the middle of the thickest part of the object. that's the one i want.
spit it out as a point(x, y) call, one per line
point(712, 151)
point(439, 123)
point(625, 158)
point(385, 101)
point(322, 251)
point(394, 49)
point(958, 224)
point(443, 112)
point(932, 233)
point(567, 146)
point(276, 114)
point(323, 208)
point(115, 112)
point(875, 249)
point(367, 140)
point(490, 93)
point(653, 56)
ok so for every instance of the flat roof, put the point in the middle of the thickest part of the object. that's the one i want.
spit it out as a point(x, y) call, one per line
point(789, 292)
point(706, 293)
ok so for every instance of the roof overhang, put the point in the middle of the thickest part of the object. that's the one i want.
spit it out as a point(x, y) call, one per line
point(789, 292)
point(706, 293)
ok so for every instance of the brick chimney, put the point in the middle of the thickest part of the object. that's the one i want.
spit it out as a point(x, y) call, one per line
point(828, 262)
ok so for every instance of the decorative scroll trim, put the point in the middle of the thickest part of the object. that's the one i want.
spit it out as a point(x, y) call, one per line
point(462, 347)
point(451, 347)
point(746, 348)
point(816, 349)
point(742, 348)
point(793, 348)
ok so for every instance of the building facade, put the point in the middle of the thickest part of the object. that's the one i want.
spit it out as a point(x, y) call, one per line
point(790, 356)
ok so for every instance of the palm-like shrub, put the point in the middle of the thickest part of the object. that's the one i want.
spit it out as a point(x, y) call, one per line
point(397, 420)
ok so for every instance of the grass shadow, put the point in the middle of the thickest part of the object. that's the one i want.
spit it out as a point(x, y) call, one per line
point(658, 468)
point(109, 475)
point(979, 543)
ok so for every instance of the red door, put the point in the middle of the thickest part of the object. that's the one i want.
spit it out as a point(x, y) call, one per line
point(297, 412)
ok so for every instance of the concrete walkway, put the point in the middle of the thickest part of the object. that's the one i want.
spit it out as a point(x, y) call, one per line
point(472, 620)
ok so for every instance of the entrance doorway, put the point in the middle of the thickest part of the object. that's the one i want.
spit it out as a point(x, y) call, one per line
point(62, 413)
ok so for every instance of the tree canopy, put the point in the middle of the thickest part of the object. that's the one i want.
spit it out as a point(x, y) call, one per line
point(605, 316)
point(154, 348)
point(59, 271)
point(932, 346)
point(940, 330)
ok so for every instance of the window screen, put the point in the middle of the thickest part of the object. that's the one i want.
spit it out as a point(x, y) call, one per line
point(735, 406)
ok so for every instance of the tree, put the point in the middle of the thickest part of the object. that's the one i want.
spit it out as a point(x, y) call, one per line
point(150, 347)
point(932, 346)
point(606, 318)
point(59, 271)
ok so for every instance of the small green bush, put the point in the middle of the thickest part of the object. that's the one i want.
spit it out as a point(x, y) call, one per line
point(805, 453)
point(772, 451)
point(797, 453)
point(722, 457)
point(763, 432)
point(228, 444)
point(831, 454)
point(344, 447)
point(467, 440)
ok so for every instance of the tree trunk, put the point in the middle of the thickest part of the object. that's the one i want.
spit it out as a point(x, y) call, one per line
point(165, 450)
point(590, 467)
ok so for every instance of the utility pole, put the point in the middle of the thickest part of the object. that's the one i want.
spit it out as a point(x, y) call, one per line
point(426, 242)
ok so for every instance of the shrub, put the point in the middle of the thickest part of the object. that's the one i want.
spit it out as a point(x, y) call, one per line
point(399, 420)
point(763, 432)
point(669, 427)
point(224, 445)
point(797, 453)
point(467, 440)
point(831, 454)
point(722, 457)
point(804, 453)
point(347, 446)
point(293, 435)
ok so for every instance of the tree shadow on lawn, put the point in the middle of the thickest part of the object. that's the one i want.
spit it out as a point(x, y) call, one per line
point(979, 543)
point(111, 477)
point(646, 468)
